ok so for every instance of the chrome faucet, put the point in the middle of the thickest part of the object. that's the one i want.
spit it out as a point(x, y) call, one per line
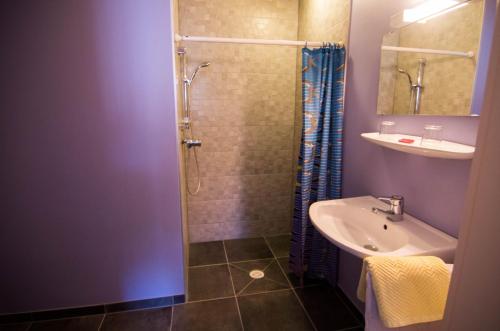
point(396, 210)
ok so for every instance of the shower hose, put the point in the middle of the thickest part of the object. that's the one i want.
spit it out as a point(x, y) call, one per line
point(186, 164)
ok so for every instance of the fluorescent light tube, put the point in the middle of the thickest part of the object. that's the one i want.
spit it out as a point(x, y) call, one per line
point(444, 12)
point(427, 9)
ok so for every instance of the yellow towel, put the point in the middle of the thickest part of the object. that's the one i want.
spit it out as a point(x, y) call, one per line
point(408, 290)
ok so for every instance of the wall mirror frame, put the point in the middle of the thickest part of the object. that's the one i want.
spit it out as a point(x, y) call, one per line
point(431, 58)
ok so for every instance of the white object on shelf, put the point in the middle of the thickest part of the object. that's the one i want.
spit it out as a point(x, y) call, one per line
point(444, 150)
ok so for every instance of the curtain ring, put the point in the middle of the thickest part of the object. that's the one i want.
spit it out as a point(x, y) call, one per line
point(306, 44)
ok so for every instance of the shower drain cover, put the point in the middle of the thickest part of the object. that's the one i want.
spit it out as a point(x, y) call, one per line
point(256, 274)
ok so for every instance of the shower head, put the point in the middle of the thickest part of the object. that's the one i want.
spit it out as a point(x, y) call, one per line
point(202, 65)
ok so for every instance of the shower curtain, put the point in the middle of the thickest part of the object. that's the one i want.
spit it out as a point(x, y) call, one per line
point(319, 175)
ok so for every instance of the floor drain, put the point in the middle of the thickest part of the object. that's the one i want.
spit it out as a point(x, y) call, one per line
point(371, 247)
point(256, 274)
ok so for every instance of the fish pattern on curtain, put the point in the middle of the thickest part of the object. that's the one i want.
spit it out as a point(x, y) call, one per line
point(319, 174)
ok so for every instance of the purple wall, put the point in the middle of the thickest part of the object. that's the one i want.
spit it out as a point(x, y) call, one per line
point(434, 189)
point(89, 174)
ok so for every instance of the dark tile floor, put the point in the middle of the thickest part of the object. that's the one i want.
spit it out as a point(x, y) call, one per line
point(223, 296)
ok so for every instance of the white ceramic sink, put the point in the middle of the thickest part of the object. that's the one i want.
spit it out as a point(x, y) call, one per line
point(353, 226)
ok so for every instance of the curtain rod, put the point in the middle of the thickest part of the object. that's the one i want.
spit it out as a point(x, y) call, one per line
point(428, 51)
point(251, 41)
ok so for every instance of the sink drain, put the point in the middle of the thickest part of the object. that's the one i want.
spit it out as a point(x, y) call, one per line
point(256, 274)
point(371, 247)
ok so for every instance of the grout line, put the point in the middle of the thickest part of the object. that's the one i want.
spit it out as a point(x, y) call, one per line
point(252, 280)
point(297, 296)
point(270, 260)
point(225, 251)
point(291, 285)
point(249, 283)
point(237, 267)
point(206, 265)
point(244, 288)
point(279, 283)
point(282, 256)
point(232, 284)
point(265, 292)
point(212, 299)
point(270, 248)
point(243, 295)
point(171, 319)
point(278, 263)
point(242, 261)
point(270, 263)
point(102, 322)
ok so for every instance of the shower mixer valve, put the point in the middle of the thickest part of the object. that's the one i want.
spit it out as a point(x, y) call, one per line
point(192, 143)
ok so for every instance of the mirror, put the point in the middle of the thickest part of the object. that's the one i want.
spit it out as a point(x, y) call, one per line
point(428, 59)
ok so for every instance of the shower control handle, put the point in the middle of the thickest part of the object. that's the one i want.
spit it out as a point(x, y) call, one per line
point(192, 143)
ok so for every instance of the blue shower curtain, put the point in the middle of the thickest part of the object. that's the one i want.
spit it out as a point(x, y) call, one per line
point(319, 175)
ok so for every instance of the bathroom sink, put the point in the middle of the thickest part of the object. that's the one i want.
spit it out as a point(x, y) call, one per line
point(353, 226)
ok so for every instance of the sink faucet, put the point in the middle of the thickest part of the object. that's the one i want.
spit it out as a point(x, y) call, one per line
point(396, 210)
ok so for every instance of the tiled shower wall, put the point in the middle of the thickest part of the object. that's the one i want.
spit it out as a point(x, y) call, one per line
point(243, 110)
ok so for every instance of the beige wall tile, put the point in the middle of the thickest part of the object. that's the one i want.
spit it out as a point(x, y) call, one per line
point(242, 162)
point(238, 210)
point(242, 187)
point(249, 138)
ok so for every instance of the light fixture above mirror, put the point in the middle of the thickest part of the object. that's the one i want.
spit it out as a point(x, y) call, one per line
point(430, 9)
